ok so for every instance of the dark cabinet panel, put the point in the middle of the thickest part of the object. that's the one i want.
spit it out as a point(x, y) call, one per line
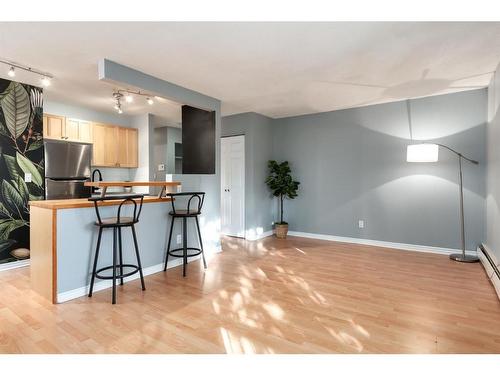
point(198, 141)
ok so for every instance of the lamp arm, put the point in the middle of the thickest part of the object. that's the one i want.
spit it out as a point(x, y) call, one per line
point(457, 153)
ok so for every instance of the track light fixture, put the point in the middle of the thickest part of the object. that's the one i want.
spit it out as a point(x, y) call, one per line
point(45, 78)
point(45, 81)
point(118, 104)
point(118, 95)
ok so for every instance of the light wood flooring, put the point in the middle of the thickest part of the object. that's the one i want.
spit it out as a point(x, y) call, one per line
point(270, 296)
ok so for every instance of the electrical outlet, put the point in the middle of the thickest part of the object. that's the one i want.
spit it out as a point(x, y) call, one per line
point(27, 177)
point(361, 224)
point(179, 239)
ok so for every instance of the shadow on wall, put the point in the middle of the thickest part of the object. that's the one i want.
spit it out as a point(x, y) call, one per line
point(361, 173)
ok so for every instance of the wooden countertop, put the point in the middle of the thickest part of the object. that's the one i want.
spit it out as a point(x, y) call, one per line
point(56, 204)
point(131, 183)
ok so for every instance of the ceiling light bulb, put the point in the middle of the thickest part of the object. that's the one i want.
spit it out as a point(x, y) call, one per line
point(129, 98)
point(150, 101)
point(45, 81)
point(12, 72)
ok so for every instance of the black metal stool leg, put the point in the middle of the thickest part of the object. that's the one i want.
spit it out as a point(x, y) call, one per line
point(184, 245)
point(169, 241)
point(95, 262)
point(113, 301)
point(121, 254)
point(201, 242)
point(136, 246)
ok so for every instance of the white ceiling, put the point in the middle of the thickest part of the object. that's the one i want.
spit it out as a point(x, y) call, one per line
point(277, 69)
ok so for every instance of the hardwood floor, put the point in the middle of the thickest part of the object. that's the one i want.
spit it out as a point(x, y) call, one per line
point(270, 296)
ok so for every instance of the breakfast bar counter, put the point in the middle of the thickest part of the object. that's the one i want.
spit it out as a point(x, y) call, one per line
point(63, 240)
point(57, 204)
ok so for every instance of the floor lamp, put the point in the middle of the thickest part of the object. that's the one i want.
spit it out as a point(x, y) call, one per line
point(428, 153)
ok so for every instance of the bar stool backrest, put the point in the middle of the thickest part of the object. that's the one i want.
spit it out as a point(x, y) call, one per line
point(194, 201)
point(132, 199)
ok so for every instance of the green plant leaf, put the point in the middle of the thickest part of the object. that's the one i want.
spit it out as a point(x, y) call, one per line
point(22, 189)
point(27, 166)
point(12, 167)
point(35, 145)
point(7, 226)
point(11, 197)
point(16, 109)
point(6, 244)
point(281, 183)
point(34, 197)
point(3, 130)
point(4, 212)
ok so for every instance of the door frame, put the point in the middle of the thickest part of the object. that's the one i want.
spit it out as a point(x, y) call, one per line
point(242, 136)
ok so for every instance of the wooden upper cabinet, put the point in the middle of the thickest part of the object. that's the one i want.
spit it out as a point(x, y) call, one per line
point(122, 153)
point(127, 147)
point(114, 146)
point(85, 129)
point(67, 129)
point(133, 148)
point(105, 145)
point(72, 133)
point(54, 126)
point(78, 130)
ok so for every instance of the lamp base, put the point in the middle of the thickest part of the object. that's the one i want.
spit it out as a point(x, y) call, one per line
point(464, 258)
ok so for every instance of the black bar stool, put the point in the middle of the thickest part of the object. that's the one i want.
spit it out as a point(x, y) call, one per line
point(189, 212)
point(117, 223)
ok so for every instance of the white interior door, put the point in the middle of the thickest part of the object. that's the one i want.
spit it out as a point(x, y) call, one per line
point(233, 186)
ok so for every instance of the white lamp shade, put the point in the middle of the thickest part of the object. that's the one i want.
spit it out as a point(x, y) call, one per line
point(422, 153)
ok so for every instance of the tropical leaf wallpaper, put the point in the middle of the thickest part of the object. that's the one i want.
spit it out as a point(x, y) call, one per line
point(21, 153)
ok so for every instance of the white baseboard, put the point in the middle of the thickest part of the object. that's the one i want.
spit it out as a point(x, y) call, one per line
point(490, 272)
point(257, 236)
point(16, 264)
point(105, 284)
point(392, 245)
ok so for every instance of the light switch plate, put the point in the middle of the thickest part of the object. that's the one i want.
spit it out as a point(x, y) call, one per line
point(361, 224)
point(161, 167)
point(179, 239)
point(27, 177)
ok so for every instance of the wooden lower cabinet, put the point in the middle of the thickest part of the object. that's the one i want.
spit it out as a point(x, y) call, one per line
point(114, 146)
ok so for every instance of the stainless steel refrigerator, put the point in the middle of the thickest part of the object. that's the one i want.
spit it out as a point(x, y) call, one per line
point(67, 167)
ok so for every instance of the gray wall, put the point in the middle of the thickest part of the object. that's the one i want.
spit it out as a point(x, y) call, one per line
point(174, 135)
point(160, 152)
point(258, 131)
point(493, 169)
point(352, 166)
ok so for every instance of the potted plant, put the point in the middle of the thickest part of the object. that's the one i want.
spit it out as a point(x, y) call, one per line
point(281, 183)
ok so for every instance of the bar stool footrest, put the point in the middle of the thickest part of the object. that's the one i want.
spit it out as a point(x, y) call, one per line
point(118, 276)
point(180, 249)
